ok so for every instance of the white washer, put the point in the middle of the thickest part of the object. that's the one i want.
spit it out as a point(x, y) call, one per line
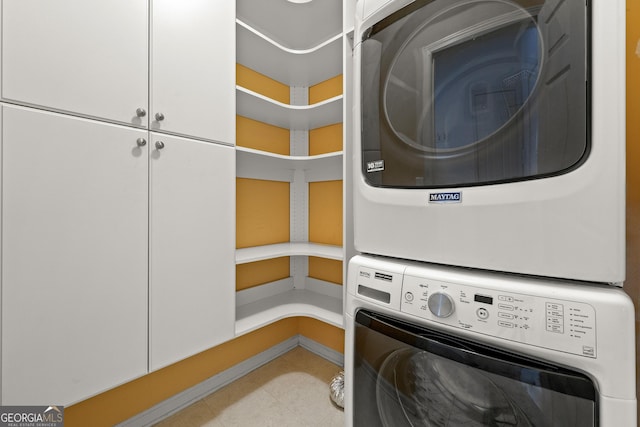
point(445, 346)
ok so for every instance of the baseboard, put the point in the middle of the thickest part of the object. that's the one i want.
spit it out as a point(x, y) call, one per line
point(186, 398)
point(323, 351)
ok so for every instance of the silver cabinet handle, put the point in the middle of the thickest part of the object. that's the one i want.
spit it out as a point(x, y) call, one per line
point(159, 145)
point(141, 112)
point(159, 117)
point(141, 142)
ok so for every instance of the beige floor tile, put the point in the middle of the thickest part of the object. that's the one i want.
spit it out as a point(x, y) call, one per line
point(290, 391)
point(197, 414)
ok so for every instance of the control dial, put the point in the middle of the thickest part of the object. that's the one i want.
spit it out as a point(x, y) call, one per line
point(441, 304)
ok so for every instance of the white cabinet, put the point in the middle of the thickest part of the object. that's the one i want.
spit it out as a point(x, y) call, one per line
point(192, 240)
point(193, 68)
point(74, 257)
point(118, 256)
point(85, 57)
point(160, 64)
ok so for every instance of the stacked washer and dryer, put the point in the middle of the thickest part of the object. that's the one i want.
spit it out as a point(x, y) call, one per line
point(489, 212)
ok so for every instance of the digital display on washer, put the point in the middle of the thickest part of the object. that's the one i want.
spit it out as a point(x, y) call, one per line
point(483, 299)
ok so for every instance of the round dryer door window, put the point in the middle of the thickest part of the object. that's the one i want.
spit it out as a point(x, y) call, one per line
point(470, 69)
point(469, 92)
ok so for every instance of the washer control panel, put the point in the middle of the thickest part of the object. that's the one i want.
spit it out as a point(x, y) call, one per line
point(561, 325)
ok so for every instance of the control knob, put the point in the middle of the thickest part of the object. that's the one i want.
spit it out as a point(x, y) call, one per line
point(441, 304)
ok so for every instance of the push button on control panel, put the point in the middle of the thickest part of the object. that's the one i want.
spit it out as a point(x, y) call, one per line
point(482, 313)
point(555, 317)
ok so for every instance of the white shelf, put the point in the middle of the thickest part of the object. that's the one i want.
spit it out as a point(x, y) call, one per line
point(291, 67)
point(299, 45)
point(257, 164)
point(295, 117)
point(259, 253)
point(292, 303)
point(296, 26)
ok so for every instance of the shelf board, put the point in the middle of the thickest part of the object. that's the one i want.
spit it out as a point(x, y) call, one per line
point(296, 117)
point(291, 67)
point(292, 303)
point(296, 26)
point(259, 253)
point(259, 164)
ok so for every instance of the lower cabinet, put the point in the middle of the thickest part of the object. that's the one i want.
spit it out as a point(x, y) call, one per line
point(192, 247)
point(117, 254)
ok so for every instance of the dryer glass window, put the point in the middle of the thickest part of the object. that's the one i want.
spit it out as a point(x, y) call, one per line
point(474, 92)
point(414, 376)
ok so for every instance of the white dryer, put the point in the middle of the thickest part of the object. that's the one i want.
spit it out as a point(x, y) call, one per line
point(491, 134)
point(428, 345)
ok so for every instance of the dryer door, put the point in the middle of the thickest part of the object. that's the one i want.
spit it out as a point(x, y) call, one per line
point(407, 375)
point(472, 92)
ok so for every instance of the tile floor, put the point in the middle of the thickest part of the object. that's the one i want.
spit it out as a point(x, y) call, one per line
point(292, 390)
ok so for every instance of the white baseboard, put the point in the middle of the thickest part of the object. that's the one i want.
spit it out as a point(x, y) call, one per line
point(323, 351)
point(186, 398)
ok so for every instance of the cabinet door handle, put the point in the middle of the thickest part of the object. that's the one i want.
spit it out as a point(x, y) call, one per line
point(141, 142)
point(159, 145)
point(159, 117)
point(141, 112)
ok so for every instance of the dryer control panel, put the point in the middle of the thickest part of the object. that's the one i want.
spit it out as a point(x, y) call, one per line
point(562, 325)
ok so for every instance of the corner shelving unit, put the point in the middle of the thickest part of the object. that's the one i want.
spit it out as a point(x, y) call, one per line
point(299, 45)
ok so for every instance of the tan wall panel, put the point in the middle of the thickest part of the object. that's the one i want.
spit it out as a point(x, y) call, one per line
point(260, 272)
point(325, 90)
point(262, 136)
point(256, 82)
point(327, 139)
point(322, 333)
point(632, 284)
point(262, 212)
point(329, 270)
point(325, 212)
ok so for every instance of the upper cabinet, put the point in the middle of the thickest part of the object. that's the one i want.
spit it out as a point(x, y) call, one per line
point(163, 65)
point(193, 68)
point(95, 64)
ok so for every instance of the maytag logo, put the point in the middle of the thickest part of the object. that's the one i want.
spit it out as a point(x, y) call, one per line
point(375, 166)
point(451, 197)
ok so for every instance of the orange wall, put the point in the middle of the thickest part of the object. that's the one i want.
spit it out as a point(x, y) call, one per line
point(122, 403)
point(262, 212)
point(262, 84)
point(632, 284)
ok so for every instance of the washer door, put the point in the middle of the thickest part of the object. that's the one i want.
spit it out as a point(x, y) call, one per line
point(406, 375)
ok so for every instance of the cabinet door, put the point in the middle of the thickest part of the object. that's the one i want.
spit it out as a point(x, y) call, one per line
point(74, 257)
point(192, 247)
point(87, 57)
point(193, 68)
